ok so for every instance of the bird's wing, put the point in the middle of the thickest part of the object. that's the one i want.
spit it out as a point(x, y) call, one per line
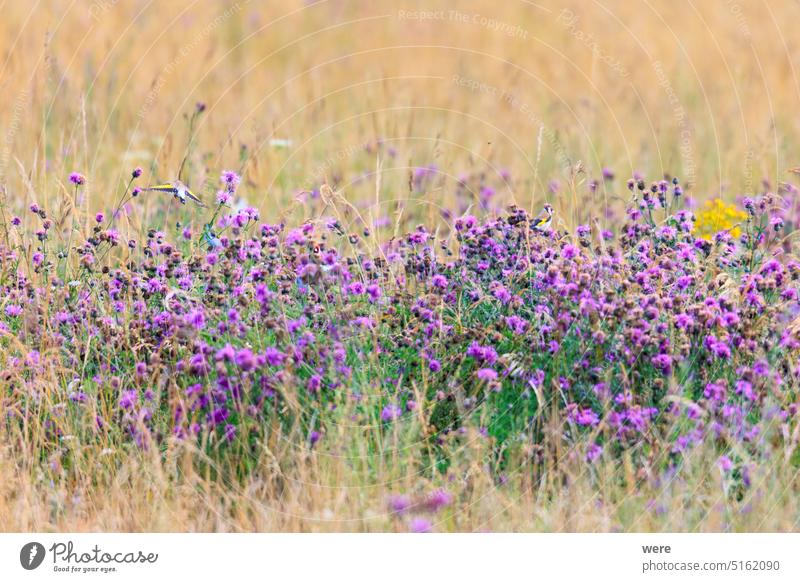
point(539, 219)
point(169, 188)
point(194, 198)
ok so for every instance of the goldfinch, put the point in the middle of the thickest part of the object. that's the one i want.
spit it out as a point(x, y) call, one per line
point(543, 220)
point(179, 190)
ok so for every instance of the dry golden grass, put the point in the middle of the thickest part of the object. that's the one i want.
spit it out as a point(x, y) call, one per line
point(703, 90)
point(322, 492)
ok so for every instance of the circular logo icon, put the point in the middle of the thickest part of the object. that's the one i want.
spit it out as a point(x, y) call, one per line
point(31, 555)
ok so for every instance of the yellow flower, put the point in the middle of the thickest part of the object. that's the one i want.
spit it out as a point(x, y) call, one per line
point(716, 215)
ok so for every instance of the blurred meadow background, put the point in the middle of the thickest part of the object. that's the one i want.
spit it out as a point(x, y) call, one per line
point(384, 115)
point(297, 93)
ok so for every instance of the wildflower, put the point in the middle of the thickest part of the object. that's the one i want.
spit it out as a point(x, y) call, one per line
point(374, 292)
point(486, 374)
point(356, 288)
point(420, 525)
point(439, 281)
point(314, 383)
point(136, 173)
point(502, 294)
point(663, 363)
point(231, 180)
point(485, 354)
point(666, 233)
point(13, 310)
point(245, 360)
point(593, 452)
point(569, 252)
point(195, 318)
point(516, 324)
point(274, 357)
point(77, 179)
point(230, 432)
point(224, 197)
point(128, 399)
point(718, 216)
point(745, 389)
point(437, 500)
point(78, 397)
point(391, 412)
point(586, 417)
point(225, 354)
point(218, 416)
point(398, 503)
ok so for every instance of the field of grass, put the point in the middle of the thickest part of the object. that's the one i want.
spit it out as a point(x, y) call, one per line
point(362, 326)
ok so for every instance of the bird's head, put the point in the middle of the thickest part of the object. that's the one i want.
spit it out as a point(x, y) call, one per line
point(548, 209)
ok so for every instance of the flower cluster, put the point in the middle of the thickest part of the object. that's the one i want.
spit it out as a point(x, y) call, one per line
point(662, 337)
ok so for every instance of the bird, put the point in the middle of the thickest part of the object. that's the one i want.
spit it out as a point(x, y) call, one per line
point(542, 221)
point(179, 190)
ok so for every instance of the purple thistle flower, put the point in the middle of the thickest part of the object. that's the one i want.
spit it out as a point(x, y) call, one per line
point(391, 412)
point(438, 499)
point(486, 375)
point(77, 179)
point(374, 292)
point(420, 525)
point(439, 281)
point(231, 181)
point(593, 452)
point(230, 432)
point(398, 503)
point(356, 288)
point(274, 357)
point(128, 399)
point(224, 197)
point(245, 360)
point(225, 354)
point(13, 310)
point(314, 383)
